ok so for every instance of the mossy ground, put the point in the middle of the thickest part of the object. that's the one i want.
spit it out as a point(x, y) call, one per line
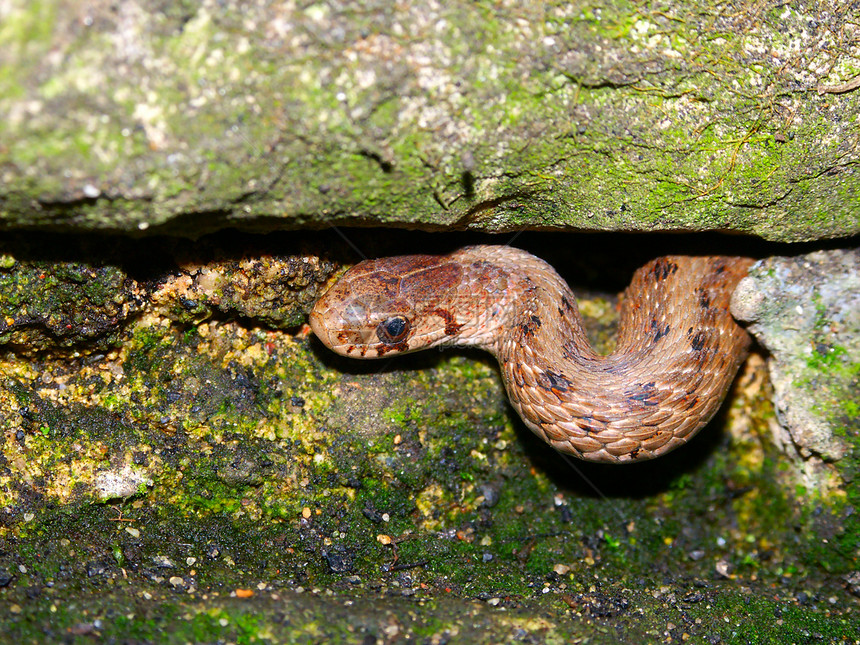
point(272, 492)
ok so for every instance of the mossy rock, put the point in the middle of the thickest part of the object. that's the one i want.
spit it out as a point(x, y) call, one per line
point(184, 120)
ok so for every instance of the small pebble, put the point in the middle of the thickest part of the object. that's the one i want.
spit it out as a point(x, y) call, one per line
point(723, 568)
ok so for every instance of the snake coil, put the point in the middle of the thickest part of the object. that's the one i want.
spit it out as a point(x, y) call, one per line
point(677, 353)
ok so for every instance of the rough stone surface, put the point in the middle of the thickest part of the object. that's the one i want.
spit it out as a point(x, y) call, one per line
point(806, 311)
point(69, 295)
point(188, 117)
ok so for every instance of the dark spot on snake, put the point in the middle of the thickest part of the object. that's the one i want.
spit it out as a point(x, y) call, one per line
point(529, 327)
point(663, 269)
point(382, 350)
point(393, 280)
point(451, 326)
point(704, 299)
point(557, 382)
point(659, 333)
point(619, 367)
point(385, 278)
point(392, 330)
point(693, 401)
point(698, 341)
point(589, 425)
point(570, 351)
point(646, 395)
point(566, 303)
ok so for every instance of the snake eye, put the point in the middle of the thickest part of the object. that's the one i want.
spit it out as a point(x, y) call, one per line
point(393, 330)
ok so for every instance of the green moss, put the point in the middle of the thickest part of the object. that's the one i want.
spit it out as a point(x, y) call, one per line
point(379, 124)
point(832, 380)
point(790, 624)
point(63, 304)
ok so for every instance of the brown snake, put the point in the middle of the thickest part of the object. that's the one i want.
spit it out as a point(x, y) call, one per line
point(678, 346)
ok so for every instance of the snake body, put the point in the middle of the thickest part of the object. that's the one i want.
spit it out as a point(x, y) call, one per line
point(677, 352)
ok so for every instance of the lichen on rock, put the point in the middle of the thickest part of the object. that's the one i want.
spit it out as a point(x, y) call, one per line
point(805, 311)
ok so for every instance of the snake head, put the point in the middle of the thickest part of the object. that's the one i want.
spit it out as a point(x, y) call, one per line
point(389, 305)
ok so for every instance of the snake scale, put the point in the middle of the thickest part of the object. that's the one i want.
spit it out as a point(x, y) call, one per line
point(677, 352)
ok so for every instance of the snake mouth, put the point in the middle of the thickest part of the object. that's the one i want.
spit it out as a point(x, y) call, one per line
point(346, 342)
